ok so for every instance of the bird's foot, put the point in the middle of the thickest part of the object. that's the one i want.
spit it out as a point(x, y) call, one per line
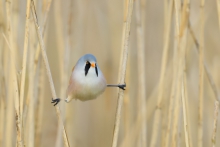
point(122, 86)
point(55, 101)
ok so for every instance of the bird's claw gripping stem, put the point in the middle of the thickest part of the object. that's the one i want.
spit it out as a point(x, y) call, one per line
point(122, 86)
point(55, 101)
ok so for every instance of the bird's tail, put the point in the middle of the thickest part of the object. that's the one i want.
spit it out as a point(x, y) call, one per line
point(68, 99)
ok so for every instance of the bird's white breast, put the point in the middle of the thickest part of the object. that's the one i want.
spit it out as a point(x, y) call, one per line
point(90, 86)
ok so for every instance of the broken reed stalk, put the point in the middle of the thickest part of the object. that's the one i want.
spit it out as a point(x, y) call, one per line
point(141, 71)
point(24, 62)
point(13, 82)
point(124, 55)
point(215, 123)
point(157, 116)
point(39, 34)
point(201, 75)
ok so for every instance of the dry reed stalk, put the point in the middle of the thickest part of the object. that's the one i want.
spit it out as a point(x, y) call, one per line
point(36, 59)
point(201, 75)
point(207, 71)
point(40, 108)
point(124, 55)
point(2, 17)
point(1, 88)
point(183, 34)
point(9, 116)
point(63, 62)
point(70, 112)
point(40, 85)
point(31, 106)
point(172, 97)
point(24, 62)
point(187, 107)
point(218, 7)
point(141, 71)
point(215, 123)
point(172, 100)
point(2, 96)
point(43, 29)
point(9, 105)
point(179, 60)
point(186, 129)
point(2, 116)
point(176, 114)
point(37, 54)
point(174, 138)
point(131, 137)
point(13, 90)
point(127, 101)
point(10, 111)
point(39, 34)
point(157, 117)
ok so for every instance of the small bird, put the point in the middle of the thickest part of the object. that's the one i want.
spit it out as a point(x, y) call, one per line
point(86, 81)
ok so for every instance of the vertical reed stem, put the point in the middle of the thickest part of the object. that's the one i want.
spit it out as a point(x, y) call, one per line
point(141, 71)
point(124, 55)
point(186, 130)
point(24, 62)
point(201, 75)
point(157, 117)
point(215, 123)
point(14, 93)
point(39, 34)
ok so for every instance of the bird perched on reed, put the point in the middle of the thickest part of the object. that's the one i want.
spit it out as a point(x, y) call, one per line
point(86, 81)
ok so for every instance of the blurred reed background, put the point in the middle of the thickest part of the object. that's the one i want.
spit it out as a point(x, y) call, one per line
point(172, 74)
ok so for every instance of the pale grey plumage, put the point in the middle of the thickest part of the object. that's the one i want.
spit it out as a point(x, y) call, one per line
point(84, 86)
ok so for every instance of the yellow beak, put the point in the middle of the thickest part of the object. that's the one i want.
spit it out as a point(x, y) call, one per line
point(93, 64)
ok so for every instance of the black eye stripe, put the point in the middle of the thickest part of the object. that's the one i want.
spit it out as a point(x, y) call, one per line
point(96, 70)
point(87, 68)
